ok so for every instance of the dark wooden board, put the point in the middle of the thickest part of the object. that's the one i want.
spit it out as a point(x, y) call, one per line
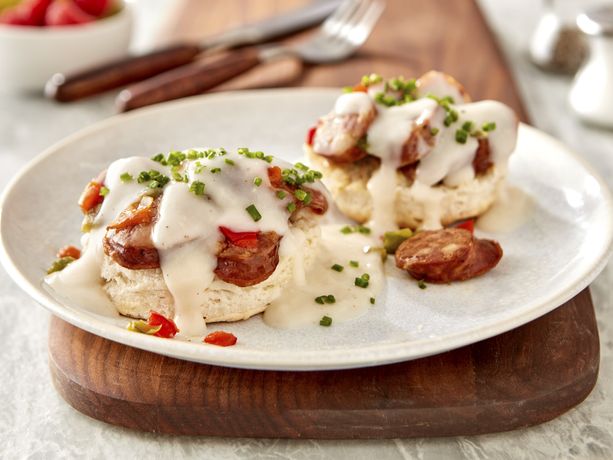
point(524, 377)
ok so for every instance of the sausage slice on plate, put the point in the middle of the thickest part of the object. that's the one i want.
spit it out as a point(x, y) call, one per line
point(451, 254)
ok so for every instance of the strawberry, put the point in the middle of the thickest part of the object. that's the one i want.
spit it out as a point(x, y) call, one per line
point(94, 7)
point(26, 13)
point(66, 12)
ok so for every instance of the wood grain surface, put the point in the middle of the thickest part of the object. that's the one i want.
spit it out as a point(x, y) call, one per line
point(521, 378)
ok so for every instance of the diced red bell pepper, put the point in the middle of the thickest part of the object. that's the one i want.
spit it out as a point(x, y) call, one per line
point(90, 198)
point(69, 251)
point(221, 339)
point(275, 177)
point(467, 225)
point(242, 239)
point(311, 135)
point(168, 330)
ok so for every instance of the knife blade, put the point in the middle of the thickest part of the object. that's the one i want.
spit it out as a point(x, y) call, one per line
point(127, 70)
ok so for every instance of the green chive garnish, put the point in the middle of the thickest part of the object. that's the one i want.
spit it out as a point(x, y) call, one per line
point(434, 131)
point(281, 194)
point(291, 207)
point(362, 281)
point(253, 212)
point(322, 299)
point(354, 263)
point(229, 162)
point(337, 268)
point(372, 300)
point(215, 170)
point(126, 177)
point(325, 321)
point(197, 188)
point(422, 284)
point(491, 126)
point(461, 136)
point(103, 191)
point(257, 181)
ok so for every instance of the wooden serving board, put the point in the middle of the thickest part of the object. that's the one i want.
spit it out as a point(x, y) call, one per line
point(523, 377)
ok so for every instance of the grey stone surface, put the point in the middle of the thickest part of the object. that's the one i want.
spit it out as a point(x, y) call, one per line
point(36, 423)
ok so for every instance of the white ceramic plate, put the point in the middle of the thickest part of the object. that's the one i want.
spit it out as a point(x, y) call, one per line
point(554, 255)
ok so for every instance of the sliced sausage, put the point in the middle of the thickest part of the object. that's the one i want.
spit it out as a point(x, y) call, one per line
point(248, 266)
point(482, 161)
point(337, 135)
point(451, 254)
point(433, 255)
point(128, 238)
point(440, 85)
point(132, 247)
point(484, 256)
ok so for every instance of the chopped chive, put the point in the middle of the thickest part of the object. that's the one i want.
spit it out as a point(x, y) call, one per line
point(198, 167)
point(360, 282)
point(325, 321)
point(268, 158)
point(291, 207)
point(422, 284)
point(215, 170)
point(337, 268)
point(281, 194)
point(346, 230)
point(372, 300)
point(363, 230)
point(301, 166)
point(366, 277)
point(257, 181)
point(197, 188)
point(126, 177)
point(253, 212)
point(301, 195)
point(229, 162)
point(159, 158)
point(461, 136)
point(322, 299)
point(487, 127)
point(434, 131)
point(354, 263)
point(347, 89)
point(468, 126)
point(104, 191)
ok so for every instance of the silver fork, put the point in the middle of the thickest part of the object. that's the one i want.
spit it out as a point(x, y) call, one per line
point(337, 38)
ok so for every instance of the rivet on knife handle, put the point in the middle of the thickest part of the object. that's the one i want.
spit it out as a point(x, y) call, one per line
point(122, 72)
point(188, 80)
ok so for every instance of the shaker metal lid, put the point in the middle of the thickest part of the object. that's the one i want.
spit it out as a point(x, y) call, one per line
point(597, 20)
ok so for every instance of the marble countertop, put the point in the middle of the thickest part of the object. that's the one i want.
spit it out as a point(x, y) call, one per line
point(36, 423)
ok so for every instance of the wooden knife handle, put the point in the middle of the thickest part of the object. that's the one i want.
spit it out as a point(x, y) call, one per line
point(188, 80)
point(118, 73)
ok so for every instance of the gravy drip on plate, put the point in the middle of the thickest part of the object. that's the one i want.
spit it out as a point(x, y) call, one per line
point(510, 211)
point(296, 307)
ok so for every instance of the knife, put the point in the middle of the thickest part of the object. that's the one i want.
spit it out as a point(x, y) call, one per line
point(122, 72)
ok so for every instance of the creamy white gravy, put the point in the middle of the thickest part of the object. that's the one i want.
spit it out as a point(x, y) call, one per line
point(512, 208)
point(296, 307)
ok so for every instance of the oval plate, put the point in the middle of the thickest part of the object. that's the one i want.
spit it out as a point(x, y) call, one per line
point(552, 257)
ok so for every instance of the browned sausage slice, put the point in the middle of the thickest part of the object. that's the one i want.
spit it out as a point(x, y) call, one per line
point(132, 247)
point(484, 256)
point(442, 256)
point(338, 135)
point(248, 266)
point(432, 255)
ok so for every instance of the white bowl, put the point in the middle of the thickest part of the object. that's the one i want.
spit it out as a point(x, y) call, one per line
point(29, 56)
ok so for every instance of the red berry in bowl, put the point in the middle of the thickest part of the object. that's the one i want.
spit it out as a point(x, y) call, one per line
point(66, 12)
point(94, 7)
point(26, 13)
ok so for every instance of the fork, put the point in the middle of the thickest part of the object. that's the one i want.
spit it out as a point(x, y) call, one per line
point(337, 38)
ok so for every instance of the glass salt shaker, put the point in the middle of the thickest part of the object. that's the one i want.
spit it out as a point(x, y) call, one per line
point(591, 95)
